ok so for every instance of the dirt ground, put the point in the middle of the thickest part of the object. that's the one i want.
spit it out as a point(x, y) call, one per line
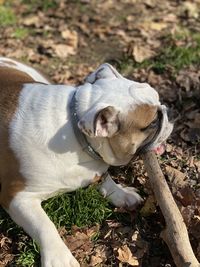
point(149, 40)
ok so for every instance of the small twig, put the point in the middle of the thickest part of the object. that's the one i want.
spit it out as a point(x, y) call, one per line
point(175, 233)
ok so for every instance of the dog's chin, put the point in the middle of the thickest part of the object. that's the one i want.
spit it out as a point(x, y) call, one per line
point(118, 162)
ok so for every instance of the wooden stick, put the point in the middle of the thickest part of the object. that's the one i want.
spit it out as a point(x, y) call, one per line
point(175, 233)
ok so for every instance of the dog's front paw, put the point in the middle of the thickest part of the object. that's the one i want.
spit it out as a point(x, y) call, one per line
point(124, 197)
point(58, 257)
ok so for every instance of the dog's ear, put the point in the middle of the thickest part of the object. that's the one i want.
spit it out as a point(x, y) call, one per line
point(104, 123)
point(105, 71)
point(107, 122)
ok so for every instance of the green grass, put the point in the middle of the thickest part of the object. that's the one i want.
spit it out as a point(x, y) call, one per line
point(38, 4)
point(29, 254)
point(171, 56)
point(82, 208)
point(20, 33)
point(7, 16)
point(85, 207)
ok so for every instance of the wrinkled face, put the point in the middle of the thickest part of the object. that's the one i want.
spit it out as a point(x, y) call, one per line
point(136, 130)
point(128, 118)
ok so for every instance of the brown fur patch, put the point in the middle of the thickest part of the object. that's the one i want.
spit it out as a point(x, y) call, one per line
point(11, 83)
point(131, 137)
point(141, 117)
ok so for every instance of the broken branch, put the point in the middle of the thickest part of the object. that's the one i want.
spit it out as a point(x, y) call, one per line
point(175, 233)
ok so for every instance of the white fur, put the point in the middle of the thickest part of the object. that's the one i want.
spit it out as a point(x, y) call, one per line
point(25, 209)
point(42, 137)
point(125, 197)
point(50, 157)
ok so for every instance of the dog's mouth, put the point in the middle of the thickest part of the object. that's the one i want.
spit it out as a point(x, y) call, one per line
point(156, 142)
point(147, 144)
point(159, 150)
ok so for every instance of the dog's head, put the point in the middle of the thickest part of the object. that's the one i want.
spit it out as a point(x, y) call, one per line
point(124, 116)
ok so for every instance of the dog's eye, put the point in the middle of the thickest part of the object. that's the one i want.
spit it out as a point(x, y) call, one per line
point(152, 125)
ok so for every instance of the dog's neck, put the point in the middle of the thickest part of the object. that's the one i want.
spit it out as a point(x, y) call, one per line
point(86, 98)
point(80, 136)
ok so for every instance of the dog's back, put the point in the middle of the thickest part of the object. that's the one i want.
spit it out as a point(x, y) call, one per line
point(35, 127)
point(11, 83)
point(25, 69)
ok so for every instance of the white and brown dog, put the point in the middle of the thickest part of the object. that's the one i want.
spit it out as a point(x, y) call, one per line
point(57, 138)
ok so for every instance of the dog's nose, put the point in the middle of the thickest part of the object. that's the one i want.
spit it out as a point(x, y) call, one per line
point(170, 114)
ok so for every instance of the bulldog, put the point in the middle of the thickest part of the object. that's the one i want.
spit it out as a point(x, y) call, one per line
point(58, 138)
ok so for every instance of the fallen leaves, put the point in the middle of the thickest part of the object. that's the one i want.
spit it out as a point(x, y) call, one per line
point(140, 52)
point(176, 177)
point(71, 37)
point(191, 9)
point(32, 21)
point(69, 45)
point(98, 256)
point(125, 255)
point(151, 25)
point(79, 241)
point(197, 164)
point(6, 254)
point(63, 51)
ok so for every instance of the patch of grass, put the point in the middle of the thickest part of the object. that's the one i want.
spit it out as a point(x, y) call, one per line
point(83, 8)
point(29, 254)
point(82, 208)
point(177, 57)
point(173, 55)
point(38, 4)
point(20, 33)
point(7, 16)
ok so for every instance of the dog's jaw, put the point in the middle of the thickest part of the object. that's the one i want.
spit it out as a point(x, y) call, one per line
point(158, 145)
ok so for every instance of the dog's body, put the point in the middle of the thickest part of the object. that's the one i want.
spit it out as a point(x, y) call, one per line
point(40, 156)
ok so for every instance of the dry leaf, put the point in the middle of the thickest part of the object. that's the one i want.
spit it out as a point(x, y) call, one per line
point(150, 3)
point(186, 196)
point(175, 176)
point(191, 135)
point(64, 51)
point(77, 241)
point(187, 213)
point(31, 20)
point(151, 25)
point(191, 9)
point(95, 260)
point(195, 227)
point(141, 53)
point(125, 255)
point(99, 256)
point(197, 164)
point(188, 79)
point(158, 26)
point(71, 37)
point(149, 206)
point(6, 255)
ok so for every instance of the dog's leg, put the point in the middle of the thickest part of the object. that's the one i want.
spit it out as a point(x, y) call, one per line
point(119, 196)
point(26, 211)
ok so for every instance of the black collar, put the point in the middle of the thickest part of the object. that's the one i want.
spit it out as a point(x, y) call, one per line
point(149, 141)
point(81, 138)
